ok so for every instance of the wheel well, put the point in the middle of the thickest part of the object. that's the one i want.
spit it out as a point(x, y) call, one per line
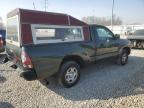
point(77, 59)
point(127, 49)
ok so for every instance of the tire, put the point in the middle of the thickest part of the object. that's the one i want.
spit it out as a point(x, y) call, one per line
point(143, 46)
point(69, 74)
point(123, 58)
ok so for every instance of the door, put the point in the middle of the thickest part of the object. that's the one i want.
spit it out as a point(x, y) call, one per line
point(106, 43)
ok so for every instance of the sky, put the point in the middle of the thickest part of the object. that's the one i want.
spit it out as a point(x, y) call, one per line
point(130, 11)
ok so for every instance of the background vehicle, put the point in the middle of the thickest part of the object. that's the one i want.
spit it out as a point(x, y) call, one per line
point(2, 40)
point(44, 44)
point(137, 39)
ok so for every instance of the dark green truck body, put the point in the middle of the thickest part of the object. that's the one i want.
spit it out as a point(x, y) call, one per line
point(48, 57)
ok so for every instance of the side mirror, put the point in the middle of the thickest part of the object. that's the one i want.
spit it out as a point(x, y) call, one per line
point(117, 36)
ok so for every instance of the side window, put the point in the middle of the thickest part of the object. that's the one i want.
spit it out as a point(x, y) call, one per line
point(50, 34)
point(43, 33)
point(103, 33)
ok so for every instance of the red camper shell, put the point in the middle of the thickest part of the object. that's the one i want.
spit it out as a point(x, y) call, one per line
point(28, 17)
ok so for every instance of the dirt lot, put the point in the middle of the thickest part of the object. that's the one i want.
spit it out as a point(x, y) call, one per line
point(102, 85)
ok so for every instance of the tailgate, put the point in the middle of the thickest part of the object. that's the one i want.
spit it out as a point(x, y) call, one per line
point(13, 51)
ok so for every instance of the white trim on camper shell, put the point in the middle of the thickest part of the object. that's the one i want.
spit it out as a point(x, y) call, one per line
point(34, 26)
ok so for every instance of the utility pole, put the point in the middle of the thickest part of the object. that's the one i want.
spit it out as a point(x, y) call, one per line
point(34, 6)
point(45, 4)
point(112, 15)
point(93, 16)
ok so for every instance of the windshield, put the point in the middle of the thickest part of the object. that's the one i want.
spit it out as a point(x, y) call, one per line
point(12, 29)
point(139, 32)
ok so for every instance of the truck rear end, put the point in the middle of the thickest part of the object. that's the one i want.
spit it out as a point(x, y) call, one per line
point(15, 48)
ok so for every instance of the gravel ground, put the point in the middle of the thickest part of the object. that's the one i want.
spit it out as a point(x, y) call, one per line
point(102, 85)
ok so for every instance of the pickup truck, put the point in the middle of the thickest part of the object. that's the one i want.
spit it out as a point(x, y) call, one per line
point(2, 40)
point(45, 44)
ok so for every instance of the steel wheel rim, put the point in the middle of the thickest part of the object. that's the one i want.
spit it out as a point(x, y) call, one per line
point(124, 58)
point(71, 75)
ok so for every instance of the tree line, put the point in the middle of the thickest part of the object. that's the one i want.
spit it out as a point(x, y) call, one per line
point(106, 21)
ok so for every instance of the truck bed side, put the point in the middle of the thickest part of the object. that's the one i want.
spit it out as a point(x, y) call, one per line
point(48, 58)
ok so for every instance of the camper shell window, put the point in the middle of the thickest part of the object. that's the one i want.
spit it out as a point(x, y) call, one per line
point(13, 29)
point(52, 34)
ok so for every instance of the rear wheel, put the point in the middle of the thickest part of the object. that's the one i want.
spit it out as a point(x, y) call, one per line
point(133, 43)
point(69, 74)
point(142, 43)
point(123, 57)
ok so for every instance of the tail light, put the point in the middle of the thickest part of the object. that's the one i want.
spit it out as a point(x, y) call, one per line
point(26, 60)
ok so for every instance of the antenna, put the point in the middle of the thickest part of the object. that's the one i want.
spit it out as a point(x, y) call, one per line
point(93, 17)
point(113, 3)
point(45, 4)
